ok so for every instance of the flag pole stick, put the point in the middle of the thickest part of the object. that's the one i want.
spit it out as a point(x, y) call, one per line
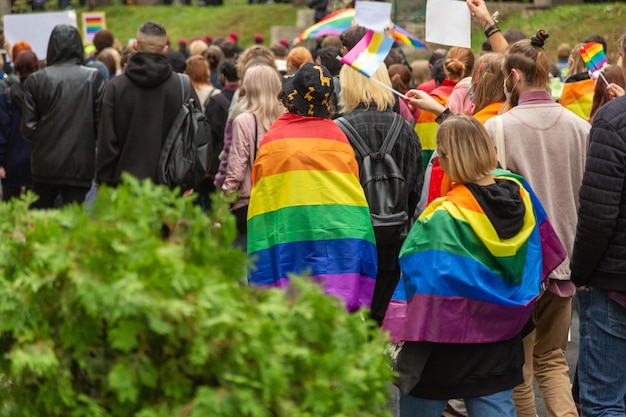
point(396, 92)
point(607, 83)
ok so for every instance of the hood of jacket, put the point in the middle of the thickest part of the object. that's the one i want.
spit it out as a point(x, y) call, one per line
point(65, 46)
point(148, 69)
point(502, 205)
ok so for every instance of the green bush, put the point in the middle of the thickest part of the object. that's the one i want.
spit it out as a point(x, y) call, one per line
point(102, 316)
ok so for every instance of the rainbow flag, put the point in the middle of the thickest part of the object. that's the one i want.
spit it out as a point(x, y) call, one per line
point(308, 213)
point(369, 53)
point(332, 24)
point(577, 97)
point(340, 20)
point(460, 282)
point(92, 23)
point(402, 36)
point(593, 55)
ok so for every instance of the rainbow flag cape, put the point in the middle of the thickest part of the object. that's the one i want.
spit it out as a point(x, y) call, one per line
point(577, 97)
point(369, 53)
point(340, 20)
point(426, 127)
point(460, 282)
point(593, 55)
point(308, 213)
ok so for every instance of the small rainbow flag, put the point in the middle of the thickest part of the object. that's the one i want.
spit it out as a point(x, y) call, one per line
point(332, 24)
point(92, 23)
point(402, 36)
point(308, 213)
point(482, 288)
point(593, 55)
point(367, 55)
point(340, 20)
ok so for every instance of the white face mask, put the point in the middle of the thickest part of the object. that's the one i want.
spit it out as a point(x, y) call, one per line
point(508, 92)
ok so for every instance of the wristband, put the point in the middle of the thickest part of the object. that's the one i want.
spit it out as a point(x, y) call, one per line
point(443, 116)
point(491, 30)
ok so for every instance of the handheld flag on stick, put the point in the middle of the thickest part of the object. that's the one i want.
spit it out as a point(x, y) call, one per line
point(594, 57)
point(367, 56)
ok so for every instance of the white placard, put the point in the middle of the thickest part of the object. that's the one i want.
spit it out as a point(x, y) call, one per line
point(375, 15)
point(448, 22)
point(35, 28)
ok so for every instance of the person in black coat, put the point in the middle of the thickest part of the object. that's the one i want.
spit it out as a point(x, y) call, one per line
point(60, 118)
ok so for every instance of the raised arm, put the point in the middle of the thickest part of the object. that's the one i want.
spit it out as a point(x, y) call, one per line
point(479, 10)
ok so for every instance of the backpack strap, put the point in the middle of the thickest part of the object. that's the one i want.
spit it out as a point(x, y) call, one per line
point(353, 136)
point(392, 135)
point(185, 87)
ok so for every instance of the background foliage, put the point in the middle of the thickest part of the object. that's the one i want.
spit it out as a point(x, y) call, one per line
point(101, 316)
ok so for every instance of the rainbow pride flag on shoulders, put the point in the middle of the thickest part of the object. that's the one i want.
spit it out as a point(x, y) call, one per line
point(308, 213)
point(460, 282)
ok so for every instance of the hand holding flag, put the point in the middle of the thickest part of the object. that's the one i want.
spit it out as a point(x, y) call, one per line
point(594, 57)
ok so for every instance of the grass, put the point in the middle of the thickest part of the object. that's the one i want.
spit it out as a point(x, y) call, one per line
point(569, 24)
point(196, 22)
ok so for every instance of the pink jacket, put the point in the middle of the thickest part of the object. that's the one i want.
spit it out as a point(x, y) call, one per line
point(243, 151)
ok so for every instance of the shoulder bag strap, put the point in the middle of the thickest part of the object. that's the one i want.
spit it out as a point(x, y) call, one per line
point(500, 146)
point(256, 136)
point(353, 136)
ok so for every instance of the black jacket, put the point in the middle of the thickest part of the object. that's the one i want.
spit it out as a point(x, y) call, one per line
point(599, 257)
point(60, 113)
point(137, 111)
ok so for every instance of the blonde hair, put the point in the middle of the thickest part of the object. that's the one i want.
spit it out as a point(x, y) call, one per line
point(575, 62)
point(487, 80)
point(357, 89)
point(197, 47)
point(465, 145)
point(262, 85)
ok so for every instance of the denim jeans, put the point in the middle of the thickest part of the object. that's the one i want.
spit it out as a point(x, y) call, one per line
point(499, 404)
point(601, 355)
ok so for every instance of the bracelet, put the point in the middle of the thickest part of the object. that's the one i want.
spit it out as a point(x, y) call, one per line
point(443, 116)
point(491, 30)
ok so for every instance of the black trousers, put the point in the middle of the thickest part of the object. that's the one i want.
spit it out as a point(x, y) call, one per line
point(57, 195)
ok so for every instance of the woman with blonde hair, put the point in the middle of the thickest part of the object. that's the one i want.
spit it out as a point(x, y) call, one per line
point(259, 110)
point(367, 107)
point(198, 71)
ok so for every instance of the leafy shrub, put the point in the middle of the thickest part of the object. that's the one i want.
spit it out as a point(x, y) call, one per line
point(103, 316)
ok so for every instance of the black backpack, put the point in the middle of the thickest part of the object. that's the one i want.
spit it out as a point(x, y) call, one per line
point(384, 185)
point(185, 151)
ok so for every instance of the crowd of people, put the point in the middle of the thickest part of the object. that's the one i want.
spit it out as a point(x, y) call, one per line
point(468, 214)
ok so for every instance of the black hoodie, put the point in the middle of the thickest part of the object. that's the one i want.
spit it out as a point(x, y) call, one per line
point(137, 111)
point(60, 113)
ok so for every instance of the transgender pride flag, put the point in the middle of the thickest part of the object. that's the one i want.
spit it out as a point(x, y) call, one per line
point(367, 55)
